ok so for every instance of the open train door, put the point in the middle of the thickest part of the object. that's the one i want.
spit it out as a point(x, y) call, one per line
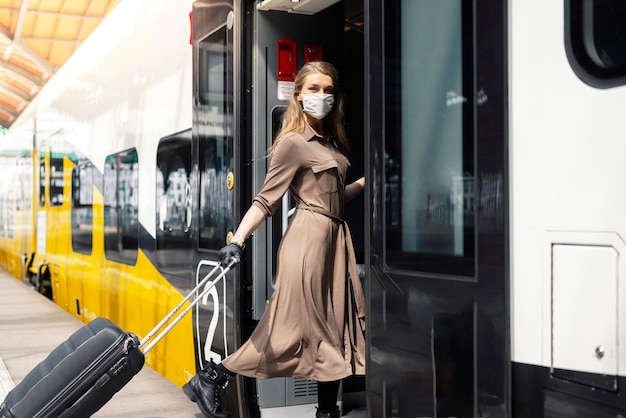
point(437, 240)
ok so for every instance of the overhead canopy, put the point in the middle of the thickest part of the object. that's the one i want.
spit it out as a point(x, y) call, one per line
point(36, 38)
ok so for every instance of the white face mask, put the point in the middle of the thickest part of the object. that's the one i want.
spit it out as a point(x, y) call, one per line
point(318, 105)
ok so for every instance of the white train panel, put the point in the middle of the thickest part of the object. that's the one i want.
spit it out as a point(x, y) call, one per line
point(566, 159)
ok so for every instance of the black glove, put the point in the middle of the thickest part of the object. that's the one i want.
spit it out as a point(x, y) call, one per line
point(229, 253)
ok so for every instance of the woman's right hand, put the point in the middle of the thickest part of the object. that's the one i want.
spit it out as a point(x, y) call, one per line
point(229, 253)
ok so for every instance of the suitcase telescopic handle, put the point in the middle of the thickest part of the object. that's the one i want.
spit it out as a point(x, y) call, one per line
point(155, 335)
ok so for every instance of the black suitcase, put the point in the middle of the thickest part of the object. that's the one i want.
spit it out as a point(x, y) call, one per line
point(80, 375)
point(85, 371)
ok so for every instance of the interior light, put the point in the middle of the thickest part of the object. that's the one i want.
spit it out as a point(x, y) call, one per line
point(295, 1)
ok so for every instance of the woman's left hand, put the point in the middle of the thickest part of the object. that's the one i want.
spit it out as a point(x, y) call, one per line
point(353, 189)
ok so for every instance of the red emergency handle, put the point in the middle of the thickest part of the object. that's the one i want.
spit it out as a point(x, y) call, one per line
point(286, 59)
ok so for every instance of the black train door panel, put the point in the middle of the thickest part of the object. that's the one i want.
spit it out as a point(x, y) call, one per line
point(436, 257)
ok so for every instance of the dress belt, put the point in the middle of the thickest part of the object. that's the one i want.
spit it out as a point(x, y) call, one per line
point(352, 269)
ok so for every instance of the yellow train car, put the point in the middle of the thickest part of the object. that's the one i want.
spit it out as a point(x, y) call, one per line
point(69, 211)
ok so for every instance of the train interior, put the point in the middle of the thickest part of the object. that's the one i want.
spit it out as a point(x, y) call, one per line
point(281, 43)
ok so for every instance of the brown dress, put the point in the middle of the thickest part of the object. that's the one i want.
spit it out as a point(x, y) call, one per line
point(313, 327)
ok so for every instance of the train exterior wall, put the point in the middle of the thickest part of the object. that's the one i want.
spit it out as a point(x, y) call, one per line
point(566, 146)
point(567, 228)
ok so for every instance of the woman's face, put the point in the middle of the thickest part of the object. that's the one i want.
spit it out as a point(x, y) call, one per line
point(317, 83)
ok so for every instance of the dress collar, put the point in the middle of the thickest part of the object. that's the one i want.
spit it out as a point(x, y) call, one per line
point(310, 134)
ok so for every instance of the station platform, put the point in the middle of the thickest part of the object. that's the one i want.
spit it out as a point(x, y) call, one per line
point(31, 326)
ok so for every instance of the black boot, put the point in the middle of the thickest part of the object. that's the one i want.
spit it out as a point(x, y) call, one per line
point(327, 414)
point(204, 389)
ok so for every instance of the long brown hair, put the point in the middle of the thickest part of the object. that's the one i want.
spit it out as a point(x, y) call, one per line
point(294, 119)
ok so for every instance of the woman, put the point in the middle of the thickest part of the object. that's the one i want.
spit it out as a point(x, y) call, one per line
point(313, 327)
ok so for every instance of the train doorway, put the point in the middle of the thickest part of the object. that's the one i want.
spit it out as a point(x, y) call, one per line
point(244, 55)
point(280, 42)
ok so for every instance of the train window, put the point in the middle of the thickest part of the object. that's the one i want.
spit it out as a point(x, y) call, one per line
point(56, 179)
point(429, 139)
point(173, 204)
point(82, 207)
point(27, 168)
point(2, 216)
point(121, 223)
point(9, 208)
point(23, 184)
point(596, 41)
point(42, 180)
point(214, 121)
point(215, 206)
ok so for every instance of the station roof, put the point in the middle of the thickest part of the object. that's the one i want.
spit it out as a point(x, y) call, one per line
point(36, 39)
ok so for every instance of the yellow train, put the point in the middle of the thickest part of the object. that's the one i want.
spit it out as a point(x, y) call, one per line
point(70, 219)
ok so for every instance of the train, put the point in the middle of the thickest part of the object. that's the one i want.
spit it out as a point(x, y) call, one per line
point(490, 236)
